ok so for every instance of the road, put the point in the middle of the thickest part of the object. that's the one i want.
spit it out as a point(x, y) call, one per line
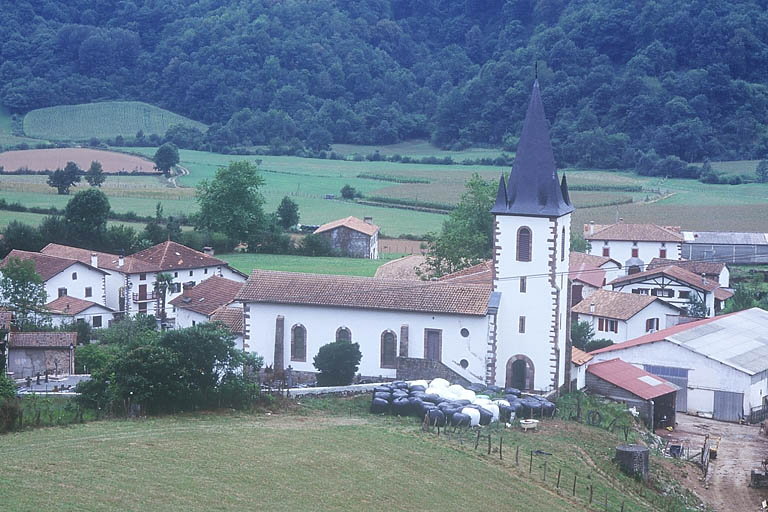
point(742, 448)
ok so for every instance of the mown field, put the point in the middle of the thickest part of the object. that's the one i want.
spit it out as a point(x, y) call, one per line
point(7, 138)
point(312, 457)
point(316, 265)
point(419, 149)
point(33, 219)
point(102, 120)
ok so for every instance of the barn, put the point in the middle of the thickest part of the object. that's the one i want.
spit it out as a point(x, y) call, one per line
point(352, 237)
point(720, 363)
point(652, 396)
point(724, 246)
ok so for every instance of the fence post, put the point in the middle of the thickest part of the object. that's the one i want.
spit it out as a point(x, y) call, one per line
point(574, 484)
point(501, 445)
point(530, 465)
point(477, 441)
point(558, 478)
point(622, 505)
point(591, 489)
point(545, 470)
point(489, 443)
point(517, 453)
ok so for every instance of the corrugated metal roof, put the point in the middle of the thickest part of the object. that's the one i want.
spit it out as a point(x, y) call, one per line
point(628, 376)
point(739, 340)
point(724, 237)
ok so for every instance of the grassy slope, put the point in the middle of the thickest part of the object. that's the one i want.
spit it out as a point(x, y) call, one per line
point(33, 219)
point(339, 266)
point(418, 149)
point(307, 460)
point(102, 120)
point(6, 131)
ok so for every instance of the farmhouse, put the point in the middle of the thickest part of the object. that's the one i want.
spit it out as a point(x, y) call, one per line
point(623, 316)
point(719, 363)
point(636, 242)
point(508, 331)
point(65, 276)
point(728, 247)
point(353, 237)
point(653, 397)
point(197, 304)
point(132, 281)
point(68, 310)
point(714, 270)
point(673, 284)
point(33, 353)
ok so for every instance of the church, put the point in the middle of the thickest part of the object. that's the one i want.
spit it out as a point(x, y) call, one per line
point(513, 333)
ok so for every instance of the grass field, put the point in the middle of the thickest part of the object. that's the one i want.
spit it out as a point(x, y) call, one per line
point(33, 219)
point(315, 265)
point(7, 138)
point(308, 458)
point(102, 120)
point(418, 149)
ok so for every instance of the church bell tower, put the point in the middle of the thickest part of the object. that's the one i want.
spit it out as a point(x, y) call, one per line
point(532, 223)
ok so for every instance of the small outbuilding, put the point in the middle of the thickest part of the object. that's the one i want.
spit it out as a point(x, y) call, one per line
point(33, 353)
point(653, 397)
point(353, 237)
point(68, 310)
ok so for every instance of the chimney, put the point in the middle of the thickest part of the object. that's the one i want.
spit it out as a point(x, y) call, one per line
point(120, 260)
point(368, 220)
point(94, 260)
point(704, 278)
point(208, 251)
point(592, 307)
point(591, 227)
point(621, 220)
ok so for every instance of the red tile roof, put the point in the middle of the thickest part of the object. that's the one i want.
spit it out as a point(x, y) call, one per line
point(209, 295)
point(618, 305)
point(42, 339)
point(45, 265)
point(174, 256)
point(476, 274)
point(365, 293)
point(710, 268)
point(352, 223)
point(586, 273)
point(231, 317)
point(628, 376)
point(723, 294)
point(633, 232)
point(594, 260)
point(579, 357)
point(676, 273)
point(105, 260)
point(658, 335)
point(71, 305)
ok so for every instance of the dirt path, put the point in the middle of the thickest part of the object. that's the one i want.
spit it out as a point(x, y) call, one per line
point(742, 448)
point(183, 171)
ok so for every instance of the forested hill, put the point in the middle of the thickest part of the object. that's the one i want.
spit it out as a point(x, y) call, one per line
point(683, 78)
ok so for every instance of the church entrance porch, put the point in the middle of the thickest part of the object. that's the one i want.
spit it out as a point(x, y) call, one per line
point(520, 373)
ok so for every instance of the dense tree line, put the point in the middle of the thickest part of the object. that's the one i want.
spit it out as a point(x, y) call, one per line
point(620, 79)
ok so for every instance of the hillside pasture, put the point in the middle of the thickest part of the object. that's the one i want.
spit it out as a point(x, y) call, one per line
point(51, 159)
point(419, 149)
point(313, 265)
point(102, 120)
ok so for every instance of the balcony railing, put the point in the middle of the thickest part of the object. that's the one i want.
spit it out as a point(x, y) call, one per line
point(144, 297)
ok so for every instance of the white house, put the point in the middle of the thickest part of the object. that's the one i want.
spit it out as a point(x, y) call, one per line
point(65, 276)
point(510, 331)
point(716, 271)
point(68, 310)
point(131, 281)
point(720, 363)
point(633, 245)
point(579, 360)
point(232, 318)
point(198, 303)
point(352, 237)
point(623, 316)
point(589, 273)
point(673, 284)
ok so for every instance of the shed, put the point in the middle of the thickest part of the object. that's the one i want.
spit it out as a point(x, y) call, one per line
point(353, 237)
point(32, 353)
point(652, 396)
point(726, 246)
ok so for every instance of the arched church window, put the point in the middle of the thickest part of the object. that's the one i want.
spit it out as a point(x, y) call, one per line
point(388, 349)
point(298, 343)
point(524, 244)
point(343, 334)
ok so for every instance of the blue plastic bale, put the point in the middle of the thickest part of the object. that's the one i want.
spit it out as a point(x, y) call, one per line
point(401, 407)
point(416, 388)
point(493, 390)
point(505, 412)
point(399, 393)
point(382, 389)
point(379, 405)
point(548, 408)
point(477, 387)
point(485, 416)
point(460, 420)
point(512, 391)
point(425, 408)
point(436, 418)
point(399, 384)
point(383, 396)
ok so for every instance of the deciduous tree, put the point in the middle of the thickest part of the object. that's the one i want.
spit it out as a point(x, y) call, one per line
point(23, 292)
point(86, 217)
point(288, 212)
point(63, 179)
point(95, 175)
point(166, 157)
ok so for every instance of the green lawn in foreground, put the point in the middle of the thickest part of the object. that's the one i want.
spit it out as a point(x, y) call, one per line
point(315, 265)
point(317, 457)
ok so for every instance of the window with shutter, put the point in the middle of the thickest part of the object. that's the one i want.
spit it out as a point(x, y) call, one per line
point(523, 284)
point(388, 350)
point(298, 343)
point(524, 244)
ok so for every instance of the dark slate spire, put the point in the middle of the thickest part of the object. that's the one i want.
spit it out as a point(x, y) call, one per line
point(533, 187)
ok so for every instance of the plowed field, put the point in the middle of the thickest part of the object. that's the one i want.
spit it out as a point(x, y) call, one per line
point(41, 159)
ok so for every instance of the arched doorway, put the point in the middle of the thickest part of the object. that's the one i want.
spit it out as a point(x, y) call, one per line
point(520, 372)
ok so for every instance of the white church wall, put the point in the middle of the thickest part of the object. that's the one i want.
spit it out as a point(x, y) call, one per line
point(366, 327)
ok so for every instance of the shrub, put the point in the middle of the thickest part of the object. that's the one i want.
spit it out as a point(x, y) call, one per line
point(348, 192)
point(337, 363)
point(597, 344)
point(315, 245)
point(7, 388)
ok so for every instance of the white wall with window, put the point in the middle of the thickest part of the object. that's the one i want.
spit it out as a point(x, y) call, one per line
point(98, 316)
point(76, 281)
point(622, 250)
point(674, 292)
point(650, 319)
point(458, 341)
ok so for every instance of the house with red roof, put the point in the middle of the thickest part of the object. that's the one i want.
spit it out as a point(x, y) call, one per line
point(720, 363)
point(197, 304)
point(675, 285)
point(67, 310)
point(618, 316)
point(633, 244)
point(352, 237)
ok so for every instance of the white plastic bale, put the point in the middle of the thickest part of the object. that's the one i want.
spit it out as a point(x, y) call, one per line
point(420, 383)
point(501, 402)
point(432, 391)
point(481, 401)
point(493, 409)
point(483, 397)
point(439, 383)
point(474, 415)
point(467, 394)
point(455, 389)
